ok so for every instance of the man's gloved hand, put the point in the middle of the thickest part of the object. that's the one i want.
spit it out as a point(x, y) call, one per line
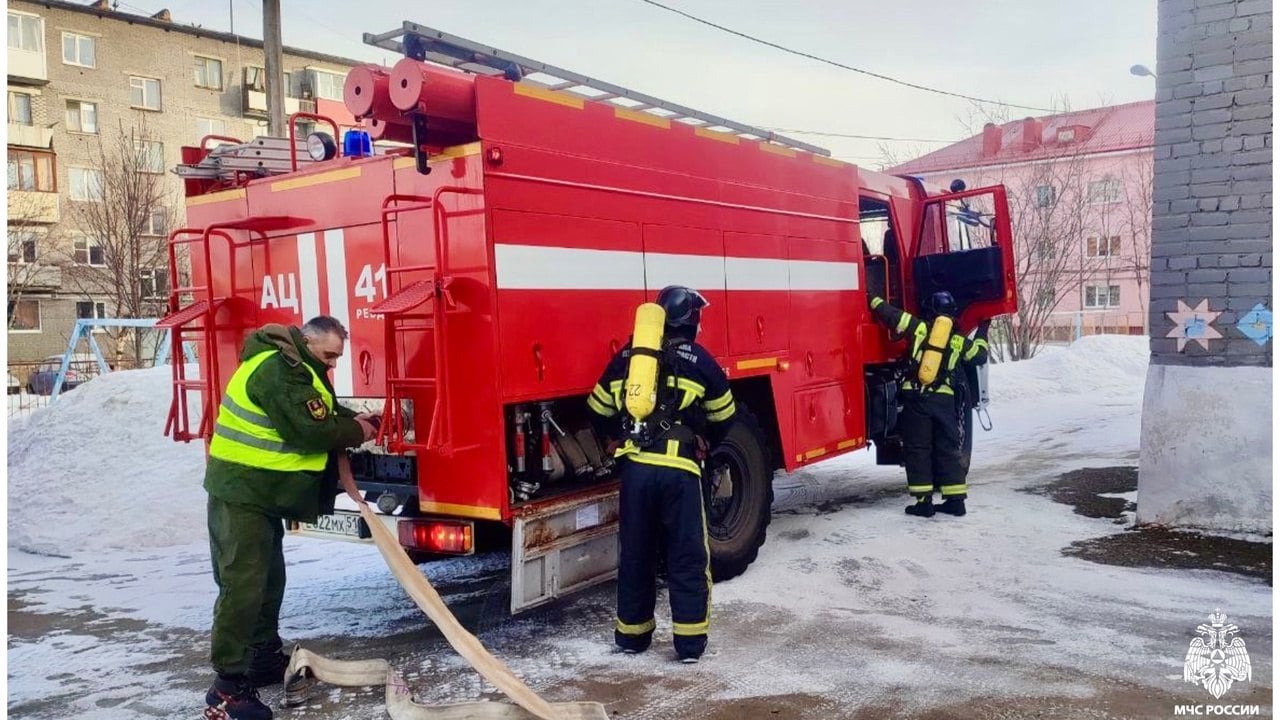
point(983, 327)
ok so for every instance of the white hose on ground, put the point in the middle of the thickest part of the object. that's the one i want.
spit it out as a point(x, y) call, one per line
point(400, 705)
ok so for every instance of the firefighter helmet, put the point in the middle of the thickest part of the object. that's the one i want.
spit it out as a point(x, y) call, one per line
point(942, 303)
point(683, 305)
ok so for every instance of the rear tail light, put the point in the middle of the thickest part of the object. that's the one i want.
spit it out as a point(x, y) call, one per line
point(448, 537)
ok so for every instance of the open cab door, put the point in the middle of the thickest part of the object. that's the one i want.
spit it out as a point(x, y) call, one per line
point(965, 247)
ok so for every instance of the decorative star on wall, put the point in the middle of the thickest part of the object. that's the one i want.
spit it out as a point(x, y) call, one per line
point(1193, 324)
point(1256, 324)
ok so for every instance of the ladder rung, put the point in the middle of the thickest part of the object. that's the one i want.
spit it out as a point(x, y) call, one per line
point(410, 268)
point(414, 382)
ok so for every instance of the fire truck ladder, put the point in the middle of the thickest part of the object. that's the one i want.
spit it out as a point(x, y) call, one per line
point(197, 321)
point(234, 162)
point(424, 43)
point(423, 305)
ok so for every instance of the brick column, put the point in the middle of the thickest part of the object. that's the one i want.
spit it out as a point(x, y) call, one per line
point(1206, 427)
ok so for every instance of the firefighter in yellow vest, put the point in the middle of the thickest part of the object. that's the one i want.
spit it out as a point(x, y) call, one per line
point(930, 420)
point(690, 408)
point(276, 454)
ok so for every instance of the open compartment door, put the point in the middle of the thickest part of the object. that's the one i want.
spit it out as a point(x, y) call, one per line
point(966, 248)
point(564, 546)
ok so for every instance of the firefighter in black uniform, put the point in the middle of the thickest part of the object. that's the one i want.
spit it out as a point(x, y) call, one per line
point(930, 422)
point(660, 463)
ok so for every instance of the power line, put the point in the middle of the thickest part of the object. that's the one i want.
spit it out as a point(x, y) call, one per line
point(838, 64)
point(856, 137)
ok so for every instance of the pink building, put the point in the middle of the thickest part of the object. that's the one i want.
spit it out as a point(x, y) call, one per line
point(1079, 188)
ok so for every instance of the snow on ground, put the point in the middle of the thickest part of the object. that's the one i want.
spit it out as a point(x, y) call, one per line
point(982, 605)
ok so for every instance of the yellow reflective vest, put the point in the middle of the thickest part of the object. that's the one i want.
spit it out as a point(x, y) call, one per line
point(245, 435)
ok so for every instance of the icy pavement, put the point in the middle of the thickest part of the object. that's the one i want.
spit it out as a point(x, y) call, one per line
point(852, 609)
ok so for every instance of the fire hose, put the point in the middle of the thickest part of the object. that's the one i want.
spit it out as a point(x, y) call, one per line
point(305, 667)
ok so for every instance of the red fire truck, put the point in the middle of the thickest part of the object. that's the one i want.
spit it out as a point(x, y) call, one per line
point(488, 262)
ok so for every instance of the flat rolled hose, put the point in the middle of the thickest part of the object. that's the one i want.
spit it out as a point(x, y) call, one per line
point(305, 667)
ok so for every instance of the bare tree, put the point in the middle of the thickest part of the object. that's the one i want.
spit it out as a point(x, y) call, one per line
point(1049, 214)
point(1139, 182)
point(123, 225)
point(891, 156)
point(33, 248)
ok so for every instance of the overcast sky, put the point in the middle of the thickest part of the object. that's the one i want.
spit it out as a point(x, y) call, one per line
point(1028, 52)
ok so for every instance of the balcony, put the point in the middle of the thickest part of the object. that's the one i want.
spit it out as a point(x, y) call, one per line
point(35, 276)
point(27, 67)
point(255, 104)
point(30, 136)
point(33, 206)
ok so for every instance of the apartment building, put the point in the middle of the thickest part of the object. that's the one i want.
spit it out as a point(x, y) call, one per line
point(79, 76)
point(1079, 187)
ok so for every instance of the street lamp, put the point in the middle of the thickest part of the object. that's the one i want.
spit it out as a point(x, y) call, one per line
point(1141, 71)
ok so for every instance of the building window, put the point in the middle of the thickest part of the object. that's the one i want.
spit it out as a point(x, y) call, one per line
point(88, 252)
point(90, 310)
point(150, 156)
point(24, 315)
point(86, 184)
point(26, 32)
point(79, 50)
point(1045, 195)
point(23, 247)
point(20, 108)
point(255, 78)
point(1101, 296)
point(209, 126)
point(1046, 297)
point(208, 73)
point(144, 93)
point(157, 222)
point(82, 117)
point(30, 170)
point(1101, 247)
point(328, 85)
point(154, 284)
point(1106, 190)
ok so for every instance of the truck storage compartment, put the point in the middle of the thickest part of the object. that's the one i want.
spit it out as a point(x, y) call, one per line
point(553, 451)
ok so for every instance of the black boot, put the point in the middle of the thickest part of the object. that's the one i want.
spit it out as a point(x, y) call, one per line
point(268, 669)
point(233, 697)
point(952, 506)
point(689, 648)
point(923, 506)
point(632, 644)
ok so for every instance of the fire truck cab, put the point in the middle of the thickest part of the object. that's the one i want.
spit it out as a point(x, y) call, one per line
point(489, 261)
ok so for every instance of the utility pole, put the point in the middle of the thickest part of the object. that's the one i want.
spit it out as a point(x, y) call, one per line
point(273, 48)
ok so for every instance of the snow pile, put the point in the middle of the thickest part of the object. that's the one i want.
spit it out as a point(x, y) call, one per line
point(1098, 363)
point(94, 469)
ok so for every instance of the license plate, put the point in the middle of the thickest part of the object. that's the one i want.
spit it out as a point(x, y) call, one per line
point(344, 524)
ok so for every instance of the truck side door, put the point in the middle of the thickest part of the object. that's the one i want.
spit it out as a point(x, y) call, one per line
point(965, 247)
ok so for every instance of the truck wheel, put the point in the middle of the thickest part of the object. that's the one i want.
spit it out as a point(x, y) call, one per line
point(737, 523)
